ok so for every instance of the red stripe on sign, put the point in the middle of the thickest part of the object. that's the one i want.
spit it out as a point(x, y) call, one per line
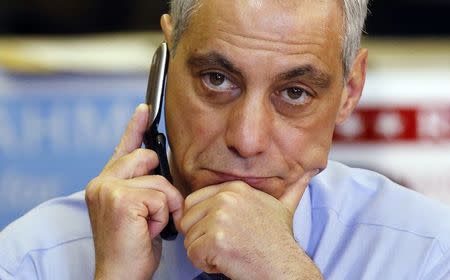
point(388, 124)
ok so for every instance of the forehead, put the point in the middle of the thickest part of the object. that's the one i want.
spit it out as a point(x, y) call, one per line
point(281, 20)
point(289, 27)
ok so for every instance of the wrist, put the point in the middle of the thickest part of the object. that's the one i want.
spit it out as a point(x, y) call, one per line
point(116, 272)
point(293, 263)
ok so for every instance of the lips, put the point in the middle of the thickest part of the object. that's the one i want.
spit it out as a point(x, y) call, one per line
point(256, 182)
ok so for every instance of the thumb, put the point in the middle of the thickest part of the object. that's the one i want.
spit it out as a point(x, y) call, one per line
point(293, 194)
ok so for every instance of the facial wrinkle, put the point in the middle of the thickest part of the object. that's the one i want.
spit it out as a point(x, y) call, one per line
point(273, 41)
point(274, 49)
point(313, 57)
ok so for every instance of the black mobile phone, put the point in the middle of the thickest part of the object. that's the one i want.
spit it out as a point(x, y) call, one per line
point(153, 139)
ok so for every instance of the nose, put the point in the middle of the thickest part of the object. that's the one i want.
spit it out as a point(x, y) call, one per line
point(249, 127)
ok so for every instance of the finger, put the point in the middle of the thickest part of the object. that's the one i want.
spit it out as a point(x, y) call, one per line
point(200, 228)
point(158, 213)
point(193, 215)
point(198, 251)
point(213, 207)
point(175, 200)
point(196, 205)
point(291, 197)
point(130, 206)
point(132, 137)
point(154, 209)
point(139, 162)
point(201, 195)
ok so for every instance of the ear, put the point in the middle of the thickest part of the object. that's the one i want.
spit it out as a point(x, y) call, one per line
point(353, 86)
point(167, 28)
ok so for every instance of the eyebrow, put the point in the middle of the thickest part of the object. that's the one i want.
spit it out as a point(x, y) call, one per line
point(318, 78)
point(213, 59)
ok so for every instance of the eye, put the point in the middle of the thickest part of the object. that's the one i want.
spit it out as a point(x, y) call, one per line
point(295, 96)
point(216, 81)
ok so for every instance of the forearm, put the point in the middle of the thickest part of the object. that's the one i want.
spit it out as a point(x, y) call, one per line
point(293, 264)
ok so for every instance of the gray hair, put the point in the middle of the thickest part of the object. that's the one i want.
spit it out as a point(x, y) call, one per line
point(355, 12)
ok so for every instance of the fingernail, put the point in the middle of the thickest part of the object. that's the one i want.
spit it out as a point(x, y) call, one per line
point(312, 173)
point(141, 107)
point(315, 172)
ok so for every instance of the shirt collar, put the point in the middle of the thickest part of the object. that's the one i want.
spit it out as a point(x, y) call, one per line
point(303, 220)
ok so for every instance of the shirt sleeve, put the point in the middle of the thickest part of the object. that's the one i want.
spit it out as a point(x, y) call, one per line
point(440, 270)
point(5, 275)
point(26, 271)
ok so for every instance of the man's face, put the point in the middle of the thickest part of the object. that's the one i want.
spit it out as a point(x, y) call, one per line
point(253, 93)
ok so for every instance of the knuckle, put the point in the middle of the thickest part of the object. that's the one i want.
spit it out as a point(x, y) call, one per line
point(198, 259)
point(92, 189)
point(219, 241)
point(239, 186)
point(227, 198)
point(195, 257)
point(116, 194)
point(147, 156)
point(143, 154)
point(117, 197)
point(105, 192)
point(183, 225)
point(160, 200)
point(188, 201)
point(221, 217)
point(206, 259)
point(162, 196)
point(160, 180)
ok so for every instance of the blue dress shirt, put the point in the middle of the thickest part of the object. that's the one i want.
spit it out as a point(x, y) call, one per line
point(354, 224)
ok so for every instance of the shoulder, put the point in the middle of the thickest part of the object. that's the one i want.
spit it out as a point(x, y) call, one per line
point(364, 225)
point(44, 237)
point(362, 197)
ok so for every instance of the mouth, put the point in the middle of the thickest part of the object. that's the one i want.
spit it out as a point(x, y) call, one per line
point(254, 181)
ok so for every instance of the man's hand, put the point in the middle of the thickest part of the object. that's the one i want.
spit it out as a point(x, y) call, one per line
point(245, 233)
point(129, 208)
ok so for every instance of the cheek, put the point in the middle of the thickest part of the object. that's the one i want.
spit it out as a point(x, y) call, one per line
point(192, 127)
point(307, 142)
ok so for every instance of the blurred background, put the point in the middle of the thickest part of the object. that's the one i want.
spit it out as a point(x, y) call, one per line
point(72, 72)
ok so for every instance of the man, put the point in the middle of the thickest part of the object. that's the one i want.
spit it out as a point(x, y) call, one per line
point(255, 89)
